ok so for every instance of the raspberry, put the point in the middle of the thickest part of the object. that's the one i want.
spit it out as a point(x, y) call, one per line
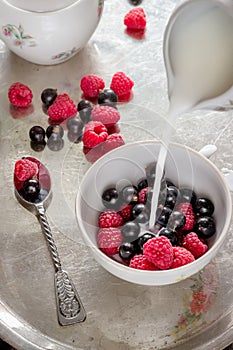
point(140, 262)
point(159, 251)
point(187, 209)
point(194, 245)
point(93, 154)
point(25, 169)
point(110, 218)
point(181, 257)
point(62, 108)
point(135, 19)
point(113, 141)
point(106, 115)
point(142, 195)
point(109, 240)
point(91, 85)
point(121, 84)
point(20, 95)
point(94, 134)
point(125, 211)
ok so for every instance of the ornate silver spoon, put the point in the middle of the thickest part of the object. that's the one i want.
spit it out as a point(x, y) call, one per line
point(69, 306)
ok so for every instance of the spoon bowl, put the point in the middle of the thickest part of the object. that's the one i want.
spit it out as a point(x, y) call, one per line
point(69, 306)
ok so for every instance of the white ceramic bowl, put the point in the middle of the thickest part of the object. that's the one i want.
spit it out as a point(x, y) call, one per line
point(48, 32)
point(184, 167)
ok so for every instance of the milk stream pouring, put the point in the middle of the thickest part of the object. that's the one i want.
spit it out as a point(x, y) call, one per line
point(198, 53)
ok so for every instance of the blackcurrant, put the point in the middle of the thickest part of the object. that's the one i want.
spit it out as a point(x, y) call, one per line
point(83, 104)
point(55, 143)
point(56, 130)
point(37, 133)
point(204, 207)
point(74, 137)
point(106, 96)
point(143, 239)
point(205, 227)
point(135, 2)
point(187, 195)
point(75, 125)
point(48, 96)
point(140, 213)
point(177, 220)
point(170, 194)
point(127, 250)
point(110, 198)
point(31, 189)
point(129, 194)
point(130, 231)
point(163, 215)
point(170, 234)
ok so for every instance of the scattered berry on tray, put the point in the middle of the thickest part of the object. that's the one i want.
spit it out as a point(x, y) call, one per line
point(94, 133)
point(135, 19)
point(20, 95)
point(107, 96)
point(48, 96)
point(135, 2)
point(91, 85)
point(54, 129)
point(25, 169)
point(62, 108)
point(180, 234)
point(105, 114)
point(121, 84)
point(112, 141)
point(85, 108)
point(37, 134)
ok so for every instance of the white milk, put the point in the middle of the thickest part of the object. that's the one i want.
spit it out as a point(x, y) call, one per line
point(201, 58)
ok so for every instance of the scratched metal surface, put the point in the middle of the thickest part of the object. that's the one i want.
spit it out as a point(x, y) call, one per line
point(120, 315)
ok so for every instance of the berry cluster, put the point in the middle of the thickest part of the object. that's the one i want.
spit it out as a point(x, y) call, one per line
point(180, 234)
point(31, 179)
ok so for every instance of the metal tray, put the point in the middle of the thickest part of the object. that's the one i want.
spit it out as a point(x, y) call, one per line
point(193, 314)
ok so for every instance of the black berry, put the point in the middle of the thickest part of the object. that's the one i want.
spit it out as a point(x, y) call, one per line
point(38, 146)
point(127, 250)
point(37, 133)
point(204, 207)
point(83, 104)
point(205, 227)
point(140, 213)
point(130, 231)
point(74, 137)
point(55, 143)
point(107, 96)
point(142, 184)
point(187, 195)
point(75, 125)
point(84, 108)
point(55, 130)
point(135, 2)
point(129, 194)
point(163, 216)
point(31, 189)
point(143, 239)
point(110, 198)
point(170, 194)
point(170, 234)
point(177, 220)
point(48, 96)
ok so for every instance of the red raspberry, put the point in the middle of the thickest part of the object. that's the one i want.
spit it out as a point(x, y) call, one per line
point(110, 218)
point(194, 245)
point(113, 141)
point(62, 108)
point(181, 257)
point(140, 262)
point(25, 169)
point(106, 115)
point(125, 211)
point(187, 209)
point(121, 84)
point(109, 239)
point(94, 134)
point(142, 195)
point(91, 85)
point(20, 95)
point(135, 19)
point(93, 154)
point(159, 251)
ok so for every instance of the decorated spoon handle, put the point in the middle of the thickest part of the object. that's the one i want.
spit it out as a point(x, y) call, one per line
point(69, 306)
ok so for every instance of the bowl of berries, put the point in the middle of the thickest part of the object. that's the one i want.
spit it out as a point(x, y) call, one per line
point(192, 215)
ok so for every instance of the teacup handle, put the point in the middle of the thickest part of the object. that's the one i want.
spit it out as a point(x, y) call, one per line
point(208, 151)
